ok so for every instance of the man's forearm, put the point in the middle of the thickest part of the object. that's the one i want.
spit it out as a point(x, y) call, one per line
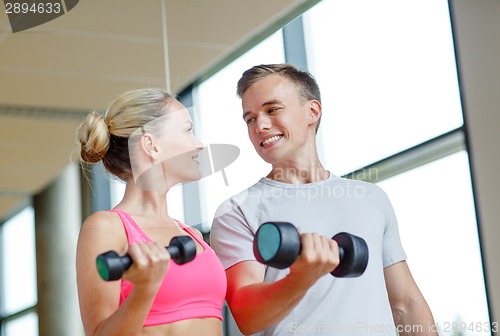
point(260, 306)
point(415, 319)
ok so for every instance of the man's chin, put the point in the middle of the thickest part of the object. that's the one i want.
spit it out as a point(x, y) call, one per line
point(269, 156)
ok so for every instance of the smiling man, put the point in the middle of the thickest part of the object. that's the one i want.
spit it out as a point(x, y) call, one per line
point(282, 109)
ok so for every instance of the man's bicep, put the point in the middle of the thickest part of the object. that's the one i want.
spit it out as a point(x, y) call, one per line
point(243, 274)
point(399, 282)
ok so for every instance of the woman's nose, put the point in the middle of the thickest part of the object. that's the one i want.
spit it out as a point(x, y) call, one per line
point(199, 145)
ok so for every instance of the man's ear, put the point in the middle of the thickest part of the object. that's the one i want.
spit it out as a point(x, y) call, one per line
point(149, 146)
point(314, 111)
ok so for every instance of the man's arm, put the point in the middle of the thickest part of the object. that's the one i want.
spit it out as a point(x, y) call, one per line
point(408, 305)
point(256, 305)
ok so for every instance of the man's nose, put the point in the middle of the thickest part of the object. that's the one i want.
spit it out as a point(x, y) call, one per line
point(263, 122)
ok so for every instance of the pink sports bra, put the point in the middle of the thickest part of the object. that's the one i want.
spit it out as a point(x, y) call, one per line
point(193, 290)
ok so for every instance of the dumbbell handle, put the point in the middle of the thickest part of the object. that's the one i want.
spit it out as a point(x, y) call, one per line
point(125, 261)
point(111, 265)
point(341, 249)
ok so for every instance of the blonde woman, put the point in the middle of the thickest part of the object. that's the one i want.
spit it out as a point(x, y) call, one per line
point(145, 139)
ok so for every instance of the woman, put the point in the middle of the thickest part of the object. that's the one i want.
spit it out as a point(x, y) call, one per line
point(145, 139)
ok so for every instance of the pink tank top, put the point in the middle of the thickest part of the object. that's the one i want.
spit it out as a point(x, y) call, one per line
point(193, 290)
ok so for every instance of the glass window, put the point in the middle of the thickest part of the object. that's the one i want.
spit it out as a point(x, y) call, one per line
point(220, 116)
point(19, 260)
point(437, 223)
point(26, 325)
point(117, 191)
point(387, 74)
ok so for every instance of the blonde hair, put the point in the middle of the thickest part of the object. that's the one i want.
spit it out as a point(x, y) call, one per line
point(105, 137)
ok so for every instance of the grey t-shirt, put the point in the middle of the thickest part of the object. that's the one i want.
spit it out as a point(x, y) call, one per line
point(333, 306)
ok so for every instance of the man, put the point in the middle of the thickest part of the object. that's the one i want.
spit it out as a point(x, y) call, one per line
point(282, 108)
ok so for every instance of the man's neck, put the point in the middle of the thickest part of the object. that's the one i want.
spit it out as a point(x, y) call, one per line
point(295, 175)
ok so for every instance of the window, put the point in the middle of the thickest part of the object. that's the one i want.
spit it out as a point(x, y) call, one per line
point(26, 325)
point(437, 224)
point(387, 74)
point(19, 291)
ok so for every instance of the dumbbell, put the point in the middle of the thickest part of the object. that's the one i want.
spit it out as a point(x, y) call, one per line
point(277, 244)
point(111, 266)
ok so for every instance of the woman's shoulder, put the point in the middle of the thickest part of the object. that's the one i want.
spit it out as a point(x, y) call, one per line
point(102, 218)
point(104, 229)
point(103, 223)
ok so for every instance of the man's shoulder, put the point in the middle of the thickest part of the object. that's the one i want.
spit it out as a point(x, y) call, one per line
point(244, 197)
point(255, 189)
point(358, 182)
point(357, 188)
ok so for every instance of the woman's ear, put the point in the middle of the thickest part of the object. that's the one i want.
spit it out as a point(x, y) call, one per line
point(149, 146)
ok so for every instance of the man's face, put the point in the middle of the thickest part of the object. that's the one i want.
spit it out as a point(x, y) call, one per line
point(278, 119)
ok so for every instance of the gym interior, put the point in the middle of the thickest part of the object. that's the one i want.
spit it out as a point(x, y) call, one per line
point(410, 98)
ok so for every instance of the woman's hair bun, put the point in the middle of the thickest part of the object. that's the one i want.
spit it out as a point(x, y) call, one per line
point(93, 136)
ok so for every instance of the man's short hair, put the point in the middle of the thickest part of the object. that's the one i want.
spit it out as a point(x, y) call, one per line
point(306, 84)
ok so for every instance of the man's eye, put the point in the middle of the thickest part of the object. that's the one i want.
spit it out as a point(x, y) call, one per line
point(273, 109)
point(249, 120)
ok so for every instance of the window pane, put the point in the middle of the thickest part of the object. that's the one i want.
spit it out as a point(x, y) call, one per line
point(25, 326)
point(387, 74)
point(220, 117)
point(19, 262)
point(117, 191)
point(435, 210)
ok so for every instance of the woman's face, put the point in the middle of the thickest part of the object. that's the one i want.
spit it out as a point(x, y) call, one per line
point(168, 151)
point(178, 147)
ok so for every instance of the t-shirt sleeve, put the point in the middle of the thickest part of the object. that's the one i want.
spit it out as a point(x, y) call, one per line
point(231, 237)
point(392, 249)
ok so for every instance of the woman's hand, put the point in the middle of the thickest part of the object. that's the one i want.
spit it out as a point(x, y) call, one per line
point(150, 262)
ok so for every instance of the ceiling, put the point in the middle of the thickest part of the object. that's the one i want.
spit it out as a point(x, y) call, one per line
point(53, 74)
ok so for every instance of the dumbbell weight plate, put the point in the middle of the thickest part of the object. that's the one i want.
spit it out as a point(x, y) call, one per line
point(271, 250)
point(353, 253)
point(185, 254)
point(111, 265)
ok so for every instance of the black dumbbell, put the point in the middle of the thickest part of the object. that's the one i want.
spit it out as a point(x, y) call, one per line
point(111, 266)
point(277, 244)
